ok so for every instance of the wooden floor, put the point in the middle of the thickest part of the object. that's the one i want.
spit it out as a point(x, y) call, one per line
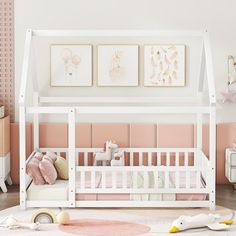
point(225, 196)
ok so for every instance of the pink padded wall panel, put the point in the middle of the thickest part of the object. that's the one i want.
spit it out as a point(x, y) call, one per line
point(117, 132)
point(14, 143)
point(205, 138)
point(53, 135)
point(175, 135)
point(83, 135)
point(142, 135)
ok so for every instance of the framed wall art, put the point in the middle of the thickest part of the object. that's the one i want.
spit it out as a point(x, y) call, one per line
point(117, 65)
point(164, 65)
point(71, 65)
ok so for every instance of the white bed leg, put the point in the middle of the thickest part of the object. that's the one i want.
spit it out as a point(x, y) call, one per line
point(3, 185)
point(9, 181)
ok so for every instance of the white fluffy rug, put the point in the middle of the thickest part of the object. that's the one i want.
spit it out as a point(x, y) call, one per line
point(148, 221)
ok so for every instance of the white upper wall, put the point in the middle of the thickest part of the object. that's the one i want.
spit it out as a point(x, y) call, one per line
point(216, 16)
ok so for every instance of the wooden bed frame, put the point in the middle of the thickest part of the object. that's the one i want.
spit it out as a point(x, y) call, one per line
point(122, 105)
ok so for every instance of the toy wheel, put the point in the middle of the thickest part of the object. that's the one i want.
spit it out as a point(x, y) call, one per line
point(44, 216)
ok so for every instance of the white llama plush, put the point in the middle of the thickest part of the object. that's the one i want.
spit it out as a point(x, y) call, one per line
point(120, 161)
point(107, 154)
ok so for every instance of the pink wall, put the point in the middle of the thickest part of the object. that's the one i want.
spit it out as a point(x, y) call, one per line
point(14, 142)
point(133, 135)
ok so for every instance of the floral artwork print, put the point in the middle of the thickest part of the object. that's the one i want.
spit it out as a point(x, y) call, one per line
point(164, 65)
point(118, 65)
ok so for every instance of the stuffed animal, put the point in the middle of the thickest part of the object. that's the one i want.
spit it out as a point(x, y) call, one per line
point(47, 216)
point(12, 223)
point(107, 154)
point(201, 220)
point(119, 159)
point(63, 218)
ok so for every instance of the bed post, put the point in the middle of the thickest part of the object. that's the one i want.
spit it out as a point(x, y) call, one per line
point(212, 120)
point(209, 69)
point(212, 178)
point(36, 122)
point(22, 119)
point(71, 156)
point(202, 70)
point(22, 157)
point(197, 156)
point(36, 100)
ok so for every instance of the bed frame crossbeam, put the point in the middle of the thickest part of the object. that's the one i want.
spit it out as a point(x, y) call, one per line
point(121, 110)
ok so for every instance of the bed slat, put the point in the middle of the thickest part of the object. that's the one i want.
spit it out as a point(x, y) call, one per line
point(186, 158)
point(131, 159)
point(114, 179)
point(93, 179)
point(103, 179)
point(177, 159)
point(177, 179)
point(85, 159)
point(140, 158)
point(135, 178)
point(158, 158)
point(124, 179)
point(149, 158)
point(187, 179)
point(167, 181)
point(198, 179)
point(146, 179)
point(82, 179)
point(168, 159)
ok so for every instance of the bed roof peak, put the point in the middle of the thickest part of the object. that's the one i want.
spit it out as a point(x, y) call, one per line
point(206, 67)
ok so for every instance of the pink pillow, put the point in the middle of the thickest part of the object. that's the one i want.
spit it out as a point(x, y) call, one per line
point(48, 170)
point(39, 156)
point(52, 155)
point(32, 169)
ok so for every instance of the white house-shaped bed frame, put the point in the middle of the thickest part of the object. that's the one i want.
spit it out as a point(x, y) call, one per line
point(120, 105)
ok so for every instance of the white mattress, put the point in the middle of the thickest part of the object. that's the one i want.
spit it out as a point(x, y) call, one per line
point(59, 190)
point(46, 192)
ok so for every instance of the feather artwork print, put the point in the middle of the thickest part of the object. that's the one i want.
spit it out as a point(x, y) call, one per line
point(166, 65)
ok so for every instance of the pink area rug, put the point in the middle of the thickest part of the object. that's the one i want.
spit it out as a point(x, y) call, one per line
point(96, 227)
point(114, 222)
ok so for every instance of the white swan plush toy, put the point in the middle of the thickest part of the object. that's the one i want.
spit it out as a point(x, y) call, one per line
point(201, 220)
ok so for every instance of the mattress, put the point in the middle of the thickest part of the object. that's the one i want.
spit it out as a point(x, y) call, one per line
point(46, 192)
point(98, 184)
point(189, 196)
point(152, 181)
point(59, 190)
point(160, 181)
